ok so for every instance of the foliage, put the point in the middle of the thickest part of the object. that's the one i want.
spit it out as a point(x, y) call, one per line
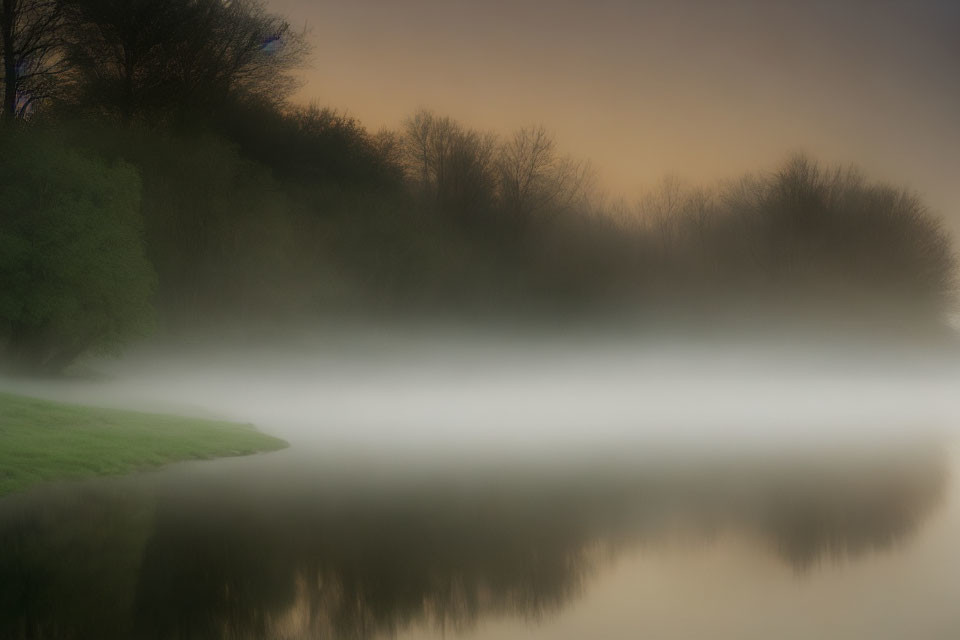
point(72, 266)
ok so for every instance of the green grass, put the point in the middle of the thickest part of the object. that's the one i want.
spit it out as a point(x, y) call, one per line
point(42, 441)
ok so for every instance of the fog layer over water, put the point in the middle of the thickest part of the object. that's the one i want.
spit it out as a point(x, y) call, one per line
point(454, 393)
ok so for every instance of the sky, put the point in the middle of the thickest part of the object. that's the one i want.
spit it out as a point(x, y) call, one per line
point(704, 90)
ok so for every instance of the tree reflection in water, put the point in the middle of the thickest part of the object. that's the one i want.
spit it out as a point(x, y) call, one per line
point(222, 560)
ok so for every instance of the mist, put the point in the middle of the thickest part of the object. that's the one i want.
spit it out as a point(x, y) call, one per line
point(498, 395)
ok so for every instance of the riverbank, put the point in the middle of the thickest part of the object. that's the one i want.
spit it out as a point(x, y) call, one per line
point(42, 441)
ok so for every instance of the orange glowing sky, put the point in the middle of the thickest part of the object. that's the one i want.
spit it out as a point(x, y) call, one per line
point(702, 89)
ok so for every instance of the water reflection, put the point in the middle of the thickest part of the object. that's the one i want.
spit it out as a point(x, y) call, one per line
point(249, 551)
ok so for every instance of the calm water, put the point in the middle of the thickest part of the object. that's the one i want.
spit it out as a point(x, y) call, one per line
point(828, 543)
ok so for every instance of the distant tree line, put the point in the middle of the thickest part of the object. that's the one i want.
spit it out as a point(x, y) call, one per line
point(155, 172)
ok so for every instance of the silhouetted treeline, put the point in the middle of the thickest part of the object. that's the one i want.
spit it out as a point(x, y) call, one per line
point(257, 210)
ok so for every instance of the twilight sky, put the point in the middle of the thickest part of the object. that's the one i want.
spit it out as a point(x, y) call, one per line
point(704, 89)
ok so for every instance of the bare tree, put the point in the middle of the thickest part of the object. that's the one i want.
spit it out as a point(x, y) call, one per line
point(453, 166)
point(661, 210)
point(239, 45)
point(137, 56)
point(31, 31)
point(534, 178)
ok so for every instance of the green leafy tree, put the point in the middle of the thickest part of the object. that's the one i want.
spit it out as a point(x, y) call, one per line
point(73, 273)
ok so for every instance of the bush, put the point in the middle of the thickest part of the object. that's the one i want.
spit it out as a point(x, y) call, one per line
point(73, 274)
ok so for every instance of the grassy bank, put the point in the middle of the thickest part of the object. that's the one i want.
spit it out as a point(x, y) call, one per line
point(42, 441)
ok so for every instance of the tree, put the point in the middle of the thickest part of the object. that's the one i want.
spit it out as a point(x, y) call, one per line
point(534, 178)
point(834, 223)
point(826, 241)
point(662, 209)
point(452, 166)
point(119, 50)
point(312, 145)
point(239, 46)
point(73, 274)
point(32, 36)
point(150, 58)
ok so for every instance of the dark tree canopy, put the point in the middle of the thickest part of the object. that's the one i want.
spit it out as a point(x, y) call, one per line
point(149, 58)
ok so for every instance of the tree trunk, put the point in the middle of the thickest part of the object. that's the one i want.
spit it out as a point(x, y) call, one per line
point(8, 16)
